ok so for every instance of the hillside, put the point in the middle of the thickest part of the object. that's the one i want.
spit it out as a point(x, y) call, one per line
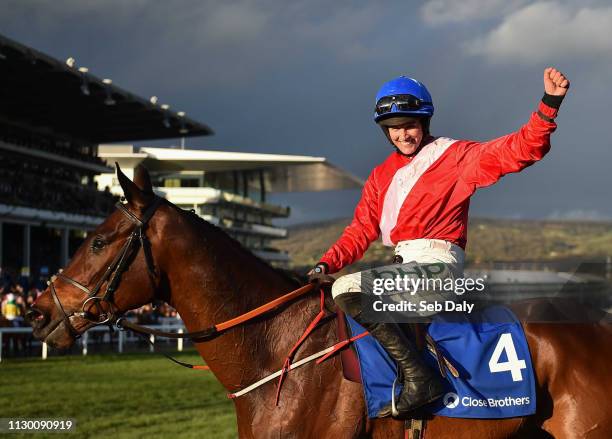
point(488, 241)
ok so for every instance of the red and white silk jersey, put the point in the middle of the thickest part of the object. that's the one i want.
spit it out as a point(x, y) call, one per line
point(428, 195)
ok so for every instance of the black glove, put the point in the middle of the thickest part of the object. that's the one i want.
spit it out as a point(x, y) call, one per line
point(318, 275)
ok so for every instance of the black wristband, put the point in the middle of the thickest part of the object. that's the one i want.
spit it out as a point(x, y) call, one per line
point(552, 101)
point(324, 265)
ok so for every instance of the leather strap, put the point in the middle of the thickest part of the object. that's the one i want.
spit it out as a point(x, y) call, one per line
point(414, 429)
point(213, 331)
point(112, 274)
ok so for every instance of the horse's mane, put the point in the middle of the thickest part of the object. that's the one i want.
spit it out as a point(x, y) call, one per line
point(198, 221)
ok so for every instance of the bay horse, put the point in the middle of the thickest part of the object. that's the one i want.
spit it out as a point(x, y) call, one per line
point(209, 277)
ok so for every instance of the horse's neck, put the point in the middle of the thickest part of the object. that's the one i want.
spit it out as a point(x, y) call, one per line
point(226, 283)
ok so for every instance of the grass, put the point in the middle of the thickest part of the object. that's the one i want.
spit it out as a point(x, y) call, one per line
point(118, 396)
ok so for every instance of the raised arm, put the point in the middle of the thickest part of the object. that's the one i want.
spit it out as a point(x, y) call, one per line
point(483, 163)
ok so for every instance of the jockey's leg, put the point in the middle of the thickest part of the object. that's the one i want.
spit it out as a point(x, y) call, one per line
point(421, 384)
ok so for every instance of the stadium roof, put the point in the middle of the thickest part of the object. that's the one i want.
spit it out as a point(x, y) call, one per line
point(286, 173)
point(42, 93)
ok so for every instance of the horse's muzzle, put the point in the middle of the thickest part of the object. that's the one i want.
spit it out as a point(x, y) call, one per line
point(36, 318)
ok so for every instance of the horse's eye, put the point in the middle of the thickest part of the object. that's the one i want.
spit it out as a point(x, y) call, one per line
point(98, 243)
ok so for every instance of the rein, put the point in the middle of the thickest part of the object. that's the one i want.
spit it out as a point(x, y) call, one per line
point(288, 364)
point(113, 274)
point(120, 263)
point(215, 330)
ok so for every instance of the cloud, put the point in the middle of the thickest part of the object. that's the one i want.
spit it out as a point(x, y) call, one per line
point(437, 12)
point(299, 77)
point(548, 31)
point(343, 30)
point(52, 15)
point(210, 24)
point(220, 43)
point(235, 21)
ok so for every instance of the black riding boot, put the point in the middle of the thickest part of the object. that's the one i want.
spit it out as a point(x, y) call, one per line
point(421, 385)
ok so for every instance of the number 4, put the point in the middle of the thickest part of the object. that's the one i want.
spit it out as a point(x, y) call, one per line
point(513, 365)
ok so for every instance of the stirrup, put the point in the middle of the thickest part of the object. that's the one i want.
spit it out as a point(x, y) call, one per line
point(394, 412)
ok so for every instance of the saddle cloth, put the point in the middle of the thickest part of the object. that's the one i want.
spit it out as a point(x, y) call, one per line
point(488, 349)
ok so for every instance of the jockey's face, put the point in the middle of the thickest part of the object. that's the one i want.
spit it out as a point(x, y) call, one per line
point(407, 136)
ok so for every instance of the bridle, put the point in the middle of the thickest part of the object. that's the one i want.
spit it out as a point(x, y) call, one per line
point(119, 265)
point(112, 278)
point(112, 275)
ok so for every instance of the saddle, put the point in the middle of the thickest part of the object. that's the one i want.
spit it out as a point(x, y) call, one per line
point(489, 376)
point(350, 362)
point(348, 357)
point(414, 427)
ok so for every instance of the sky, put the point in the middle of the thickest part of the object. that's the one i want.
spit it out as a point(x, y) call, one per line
point(300, 77)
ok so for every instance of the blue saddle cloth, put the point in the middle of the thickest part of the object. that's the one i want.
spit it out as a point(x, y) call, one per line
point(489, 350)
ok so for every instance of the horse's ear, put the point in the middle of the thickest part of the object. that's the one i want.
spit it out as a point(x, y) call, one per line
point(143, 180)
point(133, 194)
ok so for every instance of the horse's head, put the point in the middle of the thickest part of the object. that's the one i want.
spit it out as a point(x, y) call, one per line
point(112, 271)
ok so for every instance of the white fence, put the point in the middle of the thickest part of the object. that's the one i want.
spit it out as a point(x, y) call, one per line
point(123, 337)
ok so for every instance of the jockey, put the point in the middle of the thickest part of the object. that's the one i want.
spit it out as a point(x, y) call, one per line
point(417, 200)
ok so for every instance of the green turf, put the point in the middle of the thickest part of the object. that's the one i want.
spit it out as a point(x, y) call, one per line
point(118, 396)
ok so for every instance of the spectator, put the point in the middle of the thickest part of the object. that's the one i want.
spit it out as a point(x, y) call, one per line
point(13, 308)
point(146, 316)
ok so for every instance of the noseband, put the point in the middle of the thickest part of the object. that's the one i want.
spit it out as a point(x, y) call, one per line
point(113, 274)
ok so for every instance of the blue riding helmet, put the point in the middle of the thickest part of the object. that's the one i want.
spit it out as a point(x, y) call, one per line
point(403, 96)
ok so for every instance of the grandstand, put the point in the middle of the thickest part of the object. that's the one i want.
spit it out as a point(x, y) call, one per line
point(230, 189)
point(59, 127)
point(52, 118)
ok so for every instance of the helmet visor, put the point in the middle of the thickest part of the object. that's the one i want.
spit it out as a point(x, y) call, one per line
point(401, 102)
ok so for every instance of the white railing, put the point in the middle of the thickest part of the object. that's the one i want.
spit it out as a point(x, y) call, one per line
point(122, 338)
